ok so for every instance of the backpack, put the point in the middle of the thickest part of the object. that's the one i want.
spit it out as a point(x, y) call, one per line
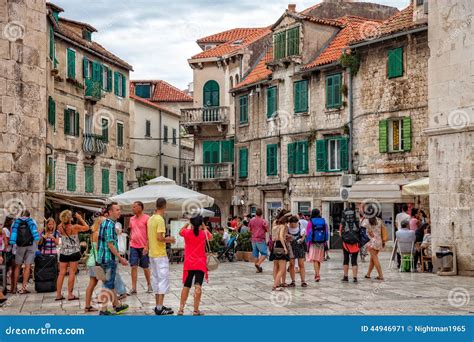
point(351, 228)
point(318, 230)
point(24, 237)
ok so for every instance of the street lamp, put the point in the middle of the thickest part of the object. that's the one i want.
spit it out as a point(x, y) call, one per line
point(139, 175)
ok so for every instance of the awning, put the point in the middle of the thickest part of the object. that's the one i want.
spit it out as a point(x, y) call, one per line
point(83, 202)
point(383, 191)
point(420, 187)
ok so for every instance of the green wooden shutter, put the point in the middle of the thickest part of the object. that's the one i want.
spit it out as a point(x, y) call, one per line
point(119, 134)
point(272, 160)
point(51, 43)
point(337, 96)
point(105, 181)
point(300, 94)
point(76, 124)
point(109, 80)
point(383, 136)
point(291, 158)
point(344, 153)
point(116, 82)
point(407, 134)
point(71, 177)
point(119, 182)
point(51, 111)
point(105, 130)
point(85, 68)
point(124, 85)
point(395, 62)
point(227, 151)
point(293, 41)
point(271, 101)
point(296, 96)
point(52, 173)
point(301, 157)
point(243, 162)
point(321, 156)
point(211, 152)
point(71, 63)
point(243, 109)
point(329, 98)
point(89, 179)
point(67, 123)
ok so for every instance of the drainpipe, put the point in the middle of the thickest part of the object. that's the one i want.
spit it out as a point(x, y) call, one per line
point(160, 144)
point(351, 116)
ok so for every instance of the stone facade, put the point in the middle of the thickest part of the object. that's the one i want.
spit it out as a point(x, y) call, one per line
point(70, 93)
point(23, 45)
point(451, 127)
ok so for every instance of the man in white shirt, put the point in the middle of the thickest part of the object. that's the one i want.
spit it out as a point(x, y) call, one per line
point(402, 216)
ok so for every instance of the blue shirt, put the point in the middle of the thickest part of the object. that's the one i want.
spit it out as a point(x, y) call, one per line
point(107, 234)
point(31, 224)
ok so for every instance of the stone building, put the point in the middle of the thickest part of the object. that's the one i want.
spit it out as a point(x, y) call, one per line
point(226, 57)
point(23, 50)
point(451, 127)
point(88, 114)
point(156, 138)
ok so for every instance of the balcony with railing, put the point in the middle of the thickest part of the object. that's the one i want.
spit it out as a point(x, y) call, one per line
point(193, 118)
point(93, 144)
point(212, 172)
point(93, 90)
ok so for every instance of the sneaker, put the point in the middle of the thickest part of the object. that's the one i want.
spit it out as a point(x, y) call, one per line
point(121, 309)
point(149, 290)
point(106, 313)
point(164, 311)
point(345, 279)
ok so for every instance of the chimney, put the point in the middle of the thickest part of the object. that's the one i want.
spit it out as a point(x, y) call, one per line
point(292, 8)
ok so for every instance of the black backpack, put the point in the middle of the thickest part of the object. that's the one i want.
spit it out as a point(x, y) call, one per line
point(350, 228)
point(24, 237)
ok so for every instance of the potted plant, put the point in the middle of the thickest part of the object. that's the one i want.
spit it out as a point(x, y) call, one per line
point(244, 247)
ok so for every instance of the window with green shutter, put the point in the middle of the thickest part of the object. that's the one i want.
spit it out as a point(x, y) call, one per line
point(51, 111)
point(243, 162)
point(120, 182)
point(116, 82)
point(300, 96)
point(321, 156)
point(383, 136)
point(71, 177)
point(143, 90)
point(105, 181)
point(272, 159)
point(293, 41)
point(227, 151)
point(120, 84)
point(51, 173)
point(244, 109)
point(124, 86)
point(397, 132)
point(332, 154)
point(85, 68)
point(165, 134)
point(174, 136)
point(298, 157)
point(71, 63)
point(119, 134)
point(71, 122)
point(51, 44)
point(344, 153)
point(272, 101)
point(395, 62)
point(333, 91)
point(89, 179)
point(147, 128)
point(406, 134)
point(105, 130)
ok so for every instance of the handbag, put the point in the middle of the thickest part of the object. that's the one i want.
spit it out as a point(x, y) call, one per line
point(212, 262)
point(364, 238)
point(384, 233)
point(98, 270)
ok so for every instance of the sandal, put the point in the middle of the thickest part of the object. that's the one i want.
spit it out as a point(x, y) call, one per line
point(60, 298)
point(379, 278)
point(303, 284)
point(90, 309)
point(317, 279)
point(368, 277)
point(292, 284)
point(198, 313)
point(73, 298)
point(180, 312)
point(284, 285)
point(277, 288)
point(23, 291)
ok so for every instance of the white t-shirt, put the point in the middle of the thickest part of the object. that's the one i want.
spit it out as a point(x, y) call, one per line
point(303, 225)
point(399, 218)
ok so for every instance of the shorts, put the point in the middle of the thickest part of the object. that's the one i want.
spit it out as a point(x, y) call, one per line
point(75, 257)
point(137, 258)
point(353, 257)
point(160, 269)
point(198, 278)
point(110, 270)
point(90, 271)
point(25, 255)
point(259, 248)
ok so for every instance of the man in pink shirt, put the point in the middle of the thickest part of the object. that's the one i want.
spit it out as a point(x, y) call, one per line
point(139, 245)
point(258, 227)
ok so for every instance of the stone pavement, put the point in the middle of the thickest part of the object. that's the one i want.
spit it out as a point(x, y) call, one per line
point(235, 289)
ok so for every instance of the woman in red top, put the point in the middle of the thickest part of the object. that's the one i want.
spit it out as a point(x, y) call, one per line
point(195, 259)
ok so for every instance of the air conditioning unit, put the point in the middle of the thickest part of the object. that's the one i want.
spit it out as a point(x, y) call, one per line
point(344, 193)
point(348, 180)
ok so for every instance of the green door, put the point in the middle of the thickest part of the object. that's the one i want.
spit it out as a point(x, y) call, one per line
point(211, 153)
point(210, 101)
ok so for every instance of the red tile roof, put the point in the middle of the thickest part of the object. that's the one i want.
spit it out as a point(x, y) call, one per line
point(163, 91)
point(229, 35)
point(64, 29)
point(260, 72)
point(354, 29)
point(234, 45)
point(401, 21)
point(151, 104)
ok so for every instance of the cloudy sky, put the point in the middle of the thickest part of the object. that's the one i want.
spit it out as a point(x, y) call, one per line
point(158, 36)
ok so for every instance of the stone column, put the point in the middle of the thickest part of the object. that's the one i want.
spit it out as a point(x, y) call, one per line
point(451, 126)
point(23, 48)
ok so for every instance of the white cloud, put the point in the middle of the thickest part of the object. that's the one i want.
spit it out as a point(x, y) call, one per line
point(157, 37)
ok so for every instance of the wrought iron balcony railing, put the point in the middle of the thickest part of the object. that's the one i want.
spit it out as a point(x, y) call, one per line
point(93, 90)
point(93, 144)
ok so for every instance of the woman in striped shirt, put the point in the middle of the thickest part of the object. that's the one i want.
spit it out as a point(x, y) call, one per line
point(49, 238)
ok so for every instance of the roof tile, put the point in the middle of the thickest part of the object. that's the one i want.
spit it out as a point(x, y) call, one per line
point(229, 35)
point(260, 72)
point(163, 91)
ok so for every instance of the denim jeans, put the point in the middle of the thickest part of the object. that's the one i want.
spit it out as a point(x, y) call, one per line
point(110, 269)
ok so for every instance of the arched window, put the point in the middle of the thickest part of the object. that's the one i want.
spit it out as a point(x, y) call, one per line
point(236, 79)
point(211, 94)
point(231, 82)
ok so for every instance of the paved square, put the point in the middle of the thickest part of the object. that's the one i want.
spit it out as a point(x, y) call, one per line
point(235, 289)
